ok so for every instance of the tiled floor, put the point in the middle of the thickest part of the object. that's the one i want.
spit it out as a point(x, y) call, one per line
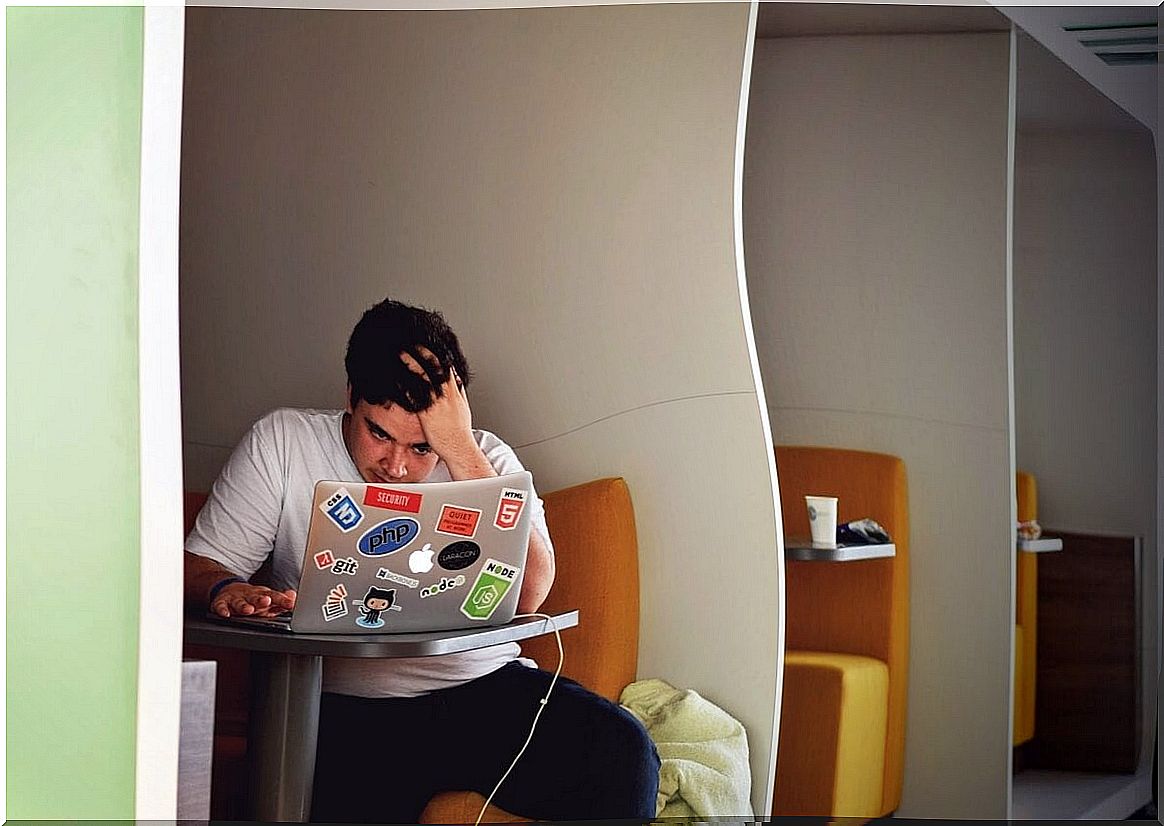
point(1047, 795)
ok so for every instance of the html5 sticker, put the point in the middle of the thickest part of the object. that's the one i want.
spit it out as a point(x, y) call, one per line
point(393, 500)
point(458, 521)
point(509, 508)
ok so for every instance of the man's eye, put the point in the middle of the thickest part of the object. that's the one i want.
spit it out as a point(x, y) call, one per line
point(420, 450)
point(380, 435)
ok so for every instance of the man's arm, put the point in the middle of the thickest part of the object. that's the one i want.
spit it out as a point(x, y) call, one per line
point(201, 574)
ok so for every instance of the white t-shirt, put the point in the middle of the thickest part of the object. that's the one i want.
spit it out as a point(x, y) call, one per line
point(261, 505)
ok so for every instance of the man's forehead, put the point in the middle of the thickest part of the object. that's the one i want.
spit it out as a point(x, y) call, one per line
point(402, 425)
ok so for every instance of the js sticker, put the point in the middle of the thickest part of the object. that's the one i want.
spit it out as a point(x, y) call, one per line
point(342, 510)
point(493, 583)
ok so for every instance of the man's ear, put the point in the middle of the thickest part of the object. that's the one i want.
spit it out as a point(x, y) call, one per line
point(348, 400)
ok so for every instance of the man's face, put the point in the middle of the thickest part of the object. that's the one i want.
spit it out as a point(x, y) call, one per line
point(387, 444)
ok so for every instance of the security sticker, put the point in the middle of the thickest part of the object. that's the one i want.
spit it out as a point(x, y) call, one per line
point(324, 559)
point(446, 584)
point(342, 510)
point(458, 555)
point(337, 594)
point(388, 537)
point(334, 610)
point(347, 566)
point(458, 521)
point(395, 500)
point(493, 582)
point(509, 508)
point(399, 579)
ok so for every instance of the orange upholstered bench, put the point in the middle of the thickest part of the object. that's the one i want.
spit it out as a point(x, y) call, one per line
point(842, 722)
point(1026, 617)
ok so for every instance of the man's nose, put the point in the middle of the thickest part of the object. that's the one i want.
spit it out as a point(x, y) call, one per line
point(397, 461)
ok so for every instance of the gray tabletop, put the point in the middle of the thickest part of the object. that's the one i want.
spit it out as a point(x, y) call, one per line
point(807, 551)
point(206, 631)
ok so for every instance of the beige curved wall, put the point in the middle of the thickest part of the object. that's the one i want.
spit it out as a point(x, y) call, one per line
point(560, 183)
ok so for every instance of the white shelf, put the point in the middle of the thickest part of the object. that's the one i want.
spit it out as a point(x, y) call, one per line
point(1040, 546)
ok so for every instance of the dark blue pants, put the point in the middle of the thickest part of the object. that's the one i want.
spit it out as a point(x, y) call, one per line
point(380, 761)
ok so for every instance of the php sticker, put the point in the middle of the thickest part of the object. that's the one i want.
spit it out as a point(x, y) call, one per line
point(324, 559)
point(509, 508)
point(458, 555)
point(394, 500)
point(458, 521)
point(342, 510)
point(493, 583)
point(399, 579)
point(446, 584)
point(388, 537)
point(347, 566)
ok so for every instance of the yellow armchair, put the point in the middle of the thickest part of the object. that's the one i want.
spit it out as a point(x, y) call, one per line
point(1026, 617)
point(841, 751)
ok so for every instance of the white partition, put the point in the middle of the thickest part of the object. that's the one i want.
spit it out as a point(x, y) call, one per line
point(561, 184)
point(875, 226)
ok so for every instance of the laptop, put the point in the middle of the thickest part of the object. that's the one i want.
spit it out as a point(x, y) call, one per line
point(386, 559)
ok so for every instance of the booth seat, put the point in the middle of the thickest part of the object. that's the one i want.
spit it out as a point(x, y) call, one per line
point(841, 750)
point(596, 550)
point(1026, 617)
point(592, 526)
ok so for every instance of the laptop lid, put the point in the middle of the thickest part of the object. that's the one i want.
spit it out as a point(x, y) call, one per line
point(419, 557)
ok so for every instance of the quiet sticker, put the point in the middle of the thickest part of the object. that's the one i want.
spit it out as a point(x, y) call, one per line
point(395, 500)
point(458, 521)
point(493, 582)
point(509, 508)
point(342, 510)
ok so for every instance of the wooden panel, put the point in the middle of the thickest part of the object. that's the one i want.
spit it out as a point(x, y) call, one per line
point(1087, 701)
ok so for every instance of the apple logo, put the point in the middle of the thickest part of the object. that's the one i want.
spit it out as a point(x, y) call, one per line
point(420, 562)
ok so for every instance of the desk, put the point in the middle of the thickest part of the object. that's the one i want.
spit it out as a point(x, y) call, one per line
point(287, 677)
point(807, 551)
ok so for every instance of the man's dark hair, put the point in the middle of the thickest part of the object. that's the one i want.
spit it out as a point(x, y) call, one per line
point(375, 371)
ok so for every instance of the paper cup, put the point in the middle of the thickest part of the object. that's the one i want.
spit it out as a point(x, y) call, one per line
point(822, 519)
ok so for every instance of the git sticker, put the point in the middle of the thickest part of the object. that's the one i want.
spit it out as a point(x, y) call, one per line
point(458, 521)
point(509, 508)
point(342, 510)
point(493, 583)
point(324, 559)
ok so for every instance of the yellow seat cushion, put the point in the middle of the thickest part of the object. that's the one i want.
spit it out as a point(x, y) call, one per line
point(1026, 617)
point(832, 751)
point(1024, 727)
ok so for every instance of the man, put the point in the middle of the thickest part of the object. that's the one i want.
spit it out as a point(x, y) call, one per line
point(393, 732)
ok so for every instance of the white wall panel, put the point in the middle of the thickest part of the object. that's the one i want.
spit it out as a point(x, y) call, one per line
point(875, 229)
point(559, 182)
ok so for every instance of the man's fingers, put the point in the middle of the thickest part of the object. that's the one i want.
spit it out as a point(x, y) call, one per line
point(424, 364)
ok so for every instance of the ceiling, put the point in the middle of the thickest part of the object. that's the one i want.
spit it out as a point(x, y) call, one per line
point(1057, 83)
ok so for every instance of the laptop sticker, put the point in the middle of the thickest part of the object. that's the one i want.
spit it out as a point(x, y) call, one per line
point(388, 537)
point(394, 500)
point(342, 510)
point(337, 594)
point(509, 508)
point(446, 584)
point(399, 579)
point(374, 603)
point(458, 555)
point(458, 521)
point(334, 610)
point(345, 566)
point(493, 583)
point(420, 562)
point(324, 559)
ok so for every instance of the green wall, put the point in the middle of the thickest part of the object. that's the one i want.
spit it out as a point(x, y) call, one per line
point(73, 153)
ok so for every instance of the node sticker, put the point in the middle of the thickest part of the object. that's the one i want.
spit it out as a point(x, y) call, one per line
point(395, 500)
point(406, 581)
point(458, 555)
point(324, 559)
point(509, 508)
point(342, 510)
point(493, 583)
point(446, 584)
point(458, 521)
point(388, 537)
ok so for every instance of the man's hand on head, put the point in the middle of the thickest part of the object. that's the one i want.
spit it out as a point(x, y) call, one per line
point(241, 599)
point(448, 421)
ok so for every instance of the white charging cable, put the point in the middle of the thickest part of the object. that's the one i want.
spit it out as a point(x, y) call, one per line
point(541, 708)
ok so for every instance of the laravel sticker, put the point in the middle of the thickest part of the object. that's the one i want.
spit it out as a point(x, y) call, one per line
point(509, 508)
point(458, 521)
point(395, 500)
